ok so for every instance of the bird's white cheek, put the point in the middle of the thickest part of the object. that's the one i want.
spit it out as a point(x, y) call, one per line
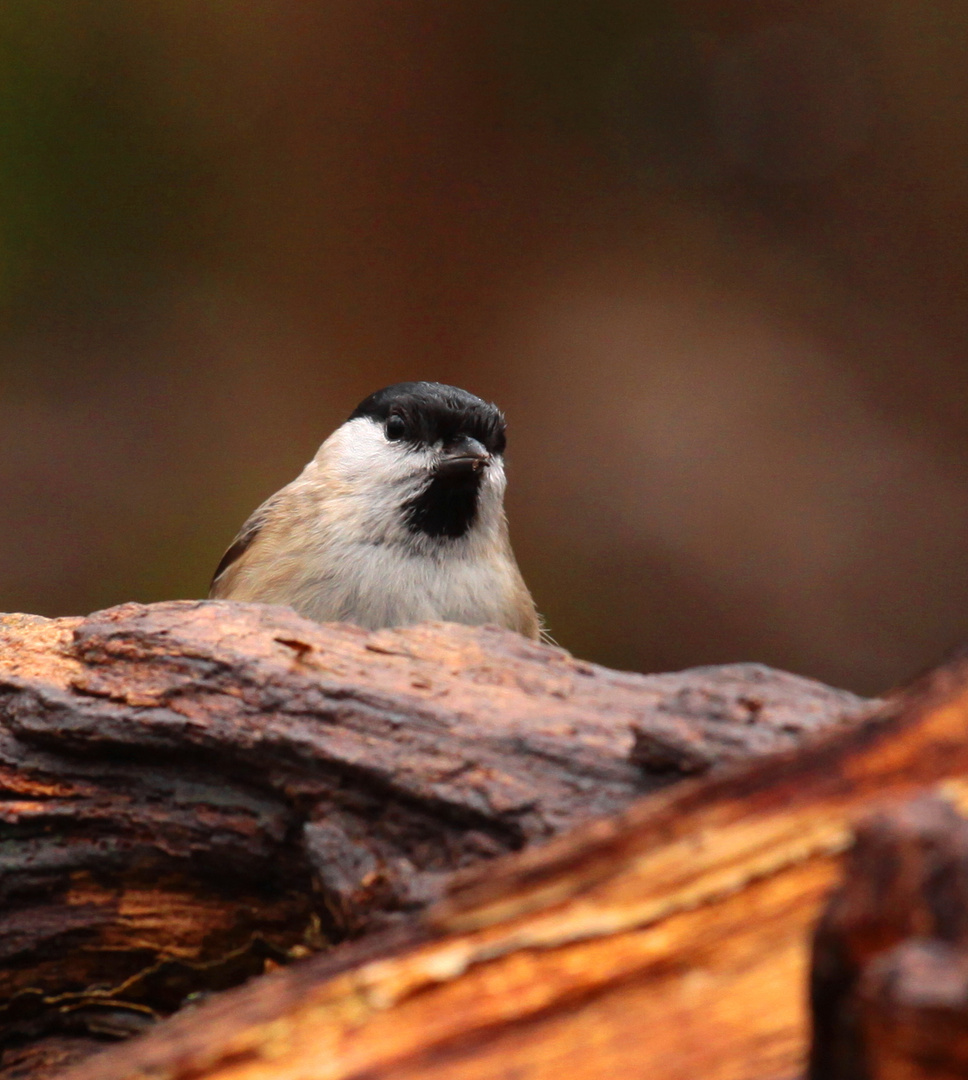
point(362, 458)
point(491, 499)
point(495, 481)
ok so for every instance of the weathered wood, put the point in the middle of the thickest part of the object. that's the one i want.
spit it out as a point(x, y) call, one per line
point(191, 791)
point(44, 1058)
point(889, 983)
point(914, 1013)
point(671, 941)
point(714, 716)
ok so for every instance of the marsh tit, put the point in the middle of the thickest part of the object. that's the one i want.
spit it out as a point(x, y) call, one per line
point(398, 519)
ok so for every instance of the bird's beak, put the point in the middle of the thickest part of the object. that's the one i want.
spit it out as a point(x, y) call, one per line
point(466, 455)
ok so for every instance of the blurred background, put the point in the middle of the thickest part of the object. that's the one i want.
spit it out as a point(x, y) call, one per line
point(710, 257)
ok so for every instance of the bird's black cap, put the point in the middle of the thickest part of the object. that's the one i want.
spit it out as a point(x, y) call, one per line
point(434, 412)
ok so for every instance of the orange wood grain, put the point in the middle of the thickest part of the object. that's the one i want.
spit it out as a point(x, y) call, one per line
point(669, 942)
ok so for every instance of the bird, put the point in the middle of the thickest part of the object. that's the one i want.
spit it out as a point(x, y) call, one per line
point(398, 519)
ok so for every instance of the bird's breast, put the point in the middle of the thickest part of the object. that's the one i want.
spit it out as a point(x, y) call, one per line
point(375, 585)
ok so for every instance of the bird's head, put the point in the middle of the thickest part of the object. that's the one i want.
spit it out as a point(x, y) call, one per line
point(420, 463)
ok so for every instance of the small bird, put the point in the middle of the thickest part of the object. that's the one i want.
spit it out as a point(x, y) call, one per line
point(398, 519)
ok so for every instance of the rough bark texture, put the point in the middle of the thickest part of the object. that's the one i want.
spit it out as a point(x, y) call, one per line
point(191, 792)
point(43, 1059)
point(889, 983)
point(670, 941)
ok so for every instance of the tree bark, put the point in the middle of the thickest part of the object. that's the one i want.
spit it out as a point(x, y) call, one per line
point(889, 983)
point(669, 941)
point(195, 791)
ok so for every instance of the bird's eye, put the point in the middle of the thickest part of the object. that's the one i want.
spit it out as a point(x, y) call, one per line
point(396, 427)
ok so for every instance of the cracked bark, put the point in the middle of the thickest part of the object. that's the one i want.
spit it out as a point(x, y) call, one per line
point(193, 792)
point(670, 941)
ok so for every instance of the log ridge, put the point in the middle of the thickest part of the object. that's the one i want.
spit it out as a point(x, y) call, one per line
point(192, 792)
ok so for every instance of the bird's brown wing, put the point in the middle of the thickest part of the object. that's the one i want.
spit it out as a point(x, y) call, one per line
point(241, 544)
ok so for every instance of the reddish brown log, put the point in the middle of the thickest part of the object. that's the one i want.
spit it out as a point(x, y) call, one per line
point(671, 941)
point(191, 791)
point(44, 1058)
point(890, 967)
point(914, 1012)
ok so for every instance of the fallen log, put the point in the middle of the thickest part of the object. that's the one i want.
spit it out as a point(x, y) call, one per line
point(889, 980)
point(669, 941)
point(191, 792)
